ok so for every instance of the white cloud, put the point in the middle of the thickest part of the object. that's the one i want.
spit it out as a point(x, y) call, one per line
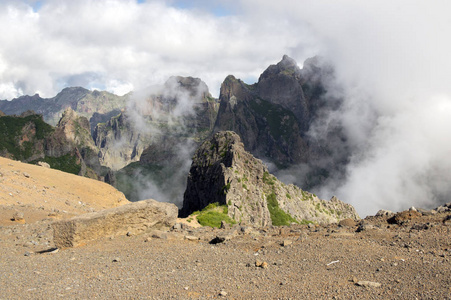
point(136, 44)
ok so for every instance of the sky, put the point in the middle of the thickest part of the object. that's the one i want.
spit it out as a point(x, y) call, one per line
point(392, 61)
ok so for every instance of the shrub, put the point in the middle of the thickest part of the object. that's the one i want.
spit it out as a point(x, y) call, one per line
point(11, 131)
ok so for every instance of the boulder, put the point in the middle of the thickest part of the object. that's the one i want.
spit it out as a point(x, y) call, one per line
point(134, 218)
point(18, 217)
point(404, 217)
point(347, 223)
point(43, 164)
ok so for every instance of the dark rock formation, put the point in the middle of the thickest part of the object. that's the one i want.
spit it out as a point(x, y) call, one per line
point(275, 116)
point(222, 171)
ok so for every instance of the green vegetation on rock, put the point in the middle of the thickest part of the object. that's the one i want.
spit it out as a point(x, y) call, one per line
point(268, 178)
point(280, 120)
point(213, 214)
point(12, 130)
point(278, 216)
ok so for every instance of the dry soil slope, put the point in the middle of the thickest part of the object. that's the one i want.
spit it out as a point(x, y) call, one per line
point(40, 192)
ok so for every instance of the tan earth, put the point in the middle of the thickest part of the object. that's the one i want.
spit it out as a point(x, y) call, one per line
point(371, 259)
point(40, 192)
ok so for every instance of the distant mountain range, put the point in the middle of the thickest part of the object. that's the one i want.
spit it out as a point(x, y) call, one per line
point(143, 144)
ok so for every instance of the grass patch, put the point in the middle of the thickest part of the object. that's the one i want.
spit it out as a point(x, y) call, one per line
point(278, 216)
point(213, 214)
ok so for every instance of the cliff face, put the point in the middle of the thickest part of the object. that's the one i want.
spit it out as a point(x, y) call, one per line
point(119, 143)
point(222, 171)
point(268, 130)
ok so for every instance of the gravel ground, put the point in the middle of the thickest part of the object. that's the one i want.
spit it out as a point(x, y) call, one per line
point(381, 261)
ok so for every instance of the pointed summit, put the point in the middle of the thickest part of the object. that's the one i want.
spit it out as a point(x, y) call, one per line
point(287, 62)
point(287, 67)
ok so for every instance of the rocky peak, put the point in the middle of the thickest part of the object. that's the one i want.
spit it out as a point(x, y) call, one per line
point(2, 114)
point(71, 91)
point(280, 84)
point(222, 171)
point(287, 67)
point(194, 87)
point(233, 89)
point(76, 128)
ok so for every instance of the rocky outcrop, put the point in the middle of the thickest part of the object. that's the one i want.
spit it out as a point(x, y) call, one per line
point(268, 130)
point(134, 218)
point(76, 129)
point(223, 171)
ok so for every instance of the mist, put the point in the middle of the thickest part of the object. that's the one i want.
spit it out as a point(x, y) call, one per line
point(165, 116)
point(391, 62)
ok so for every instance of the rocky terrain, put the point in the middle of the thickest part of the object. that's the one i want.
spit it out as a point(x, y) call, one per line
point(371, 259)
point(222, 171)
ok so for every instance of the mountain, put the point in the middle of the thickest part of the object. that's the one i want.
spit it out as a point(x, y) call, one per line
point(223, 172)
point(275, 116)
point(81, 100)
point(283, 119)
